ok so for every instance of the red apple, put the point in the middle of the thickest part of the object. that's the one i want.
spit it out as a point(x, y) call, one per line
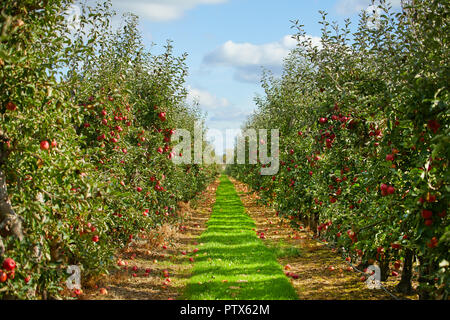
point(45, 145)
point(11, 106)
point(390, 190)
point(433, 125)
point(9, 264)
point(3, 276)
point(433, 242)
point(427, 214)
point(395, 246)
point(162, 116)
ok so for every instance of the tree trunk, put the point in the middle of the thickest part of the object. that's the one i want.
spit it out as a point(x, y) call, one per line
point(424, 282)
point(384, 269)
point(313, 222)
point(405, 285)
point(10, 222)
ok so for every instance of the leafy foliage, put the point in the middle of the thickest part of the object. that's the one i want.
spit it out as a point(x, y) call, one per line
point(107, 108)
point(364, 131)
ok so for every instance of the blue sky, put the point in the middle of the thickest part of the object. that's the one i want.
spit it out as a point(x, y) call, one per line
point(228, 41)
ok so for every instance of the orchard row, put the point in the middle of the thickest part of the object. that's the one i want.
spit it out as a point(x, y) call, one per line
point(364, 142)
point(87, 117)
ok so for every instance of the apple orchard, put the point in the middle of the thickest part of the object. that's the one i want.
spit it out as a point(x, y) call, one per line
point(86, 155)
point(364, 143)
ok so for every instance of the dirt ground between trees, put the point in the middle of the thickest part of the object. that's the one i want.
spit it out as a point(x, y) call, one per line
point(315, 280)
point(149, 255)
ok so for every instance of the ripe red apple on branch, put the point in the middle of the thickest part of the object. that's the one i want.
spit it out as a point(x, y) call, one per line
point(11, 106)
point(44, 145)
point(162, 116)
point(9, 264)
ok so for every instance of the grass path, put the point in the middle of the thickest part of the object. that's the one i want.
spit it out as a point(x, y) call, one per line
point(232, 262)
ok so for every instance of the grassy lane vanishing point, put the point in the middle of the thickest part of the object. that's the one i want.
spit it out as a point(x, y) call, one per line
point(232, 263)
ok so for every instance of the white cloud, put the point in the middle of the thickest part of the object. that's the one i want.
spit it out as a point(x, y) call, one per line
point(344, 7)
point(248, 54)
point(248, 58)
point(160, 10)
point(205, 99)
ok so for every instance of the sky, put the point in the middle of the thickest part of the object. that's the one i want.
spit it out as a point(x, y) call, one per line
point(228, 42)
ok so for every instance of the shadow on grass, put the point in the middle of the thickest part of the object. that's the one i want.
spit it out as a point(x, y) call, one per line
point(237, 265)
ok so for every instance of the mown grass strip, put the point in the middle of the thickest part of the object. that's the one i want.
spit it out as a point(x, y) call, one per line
point(232, 263)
